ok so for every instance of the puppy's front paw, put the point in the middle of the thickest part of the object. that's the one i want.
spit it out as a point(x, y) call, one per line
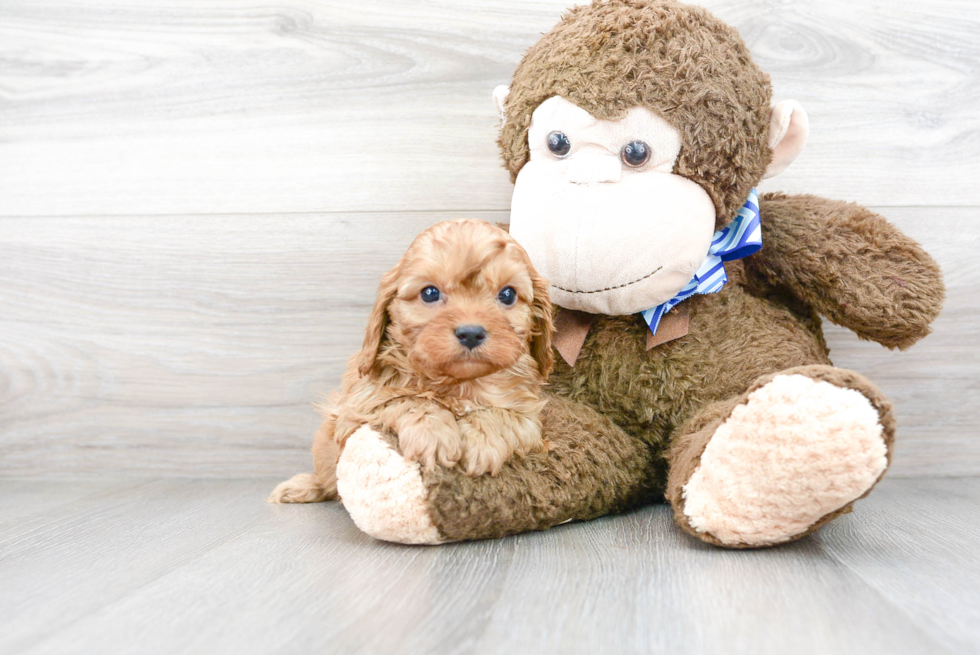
point(430, 438)
point(491, 437)
point(484, 451)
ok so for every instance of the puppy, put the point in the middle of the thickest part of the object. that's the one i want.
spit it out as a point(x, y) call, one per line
point(457, 347)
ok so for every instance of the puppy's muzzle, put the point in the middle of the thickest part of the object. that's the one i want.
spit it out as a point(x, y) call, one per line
point(471, 336)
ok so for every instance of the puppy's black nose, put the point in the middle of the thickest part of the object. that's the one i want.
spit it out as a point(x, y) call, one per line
point(471, 336)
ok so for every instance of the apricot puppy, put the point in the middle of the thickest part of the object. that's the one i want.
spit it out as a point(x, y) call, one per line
point(457, 347)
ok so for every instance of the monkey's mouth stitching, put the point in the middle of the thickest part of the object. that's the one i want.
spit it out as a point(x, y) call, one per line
point(618, 286)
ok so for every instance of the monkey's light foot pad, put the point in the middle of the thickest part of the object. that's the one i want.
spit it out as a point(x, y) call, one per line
point(383, 493)
point(795, 451)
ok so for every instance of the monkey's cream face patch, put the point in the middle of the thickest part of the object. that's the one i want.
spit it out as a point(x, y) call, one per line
point(601, 213)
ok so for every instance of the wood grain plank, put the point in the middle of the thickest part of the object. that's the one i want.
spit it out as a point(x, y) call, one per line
point(24, 500)
point(303, 579)
point(915, 544)
point(196, 346)
point(637, 585)
point(184, 107)
point(65, 563)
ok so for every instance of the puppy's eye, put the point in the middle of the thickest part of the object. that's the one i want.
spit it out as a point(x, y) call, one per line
point(635, 153)
point(507, 296)
point(430, 294)
point(559, 144)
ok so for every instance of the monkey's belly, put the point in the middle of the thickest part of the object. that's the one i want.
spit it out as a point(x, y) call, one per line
point(733, 339)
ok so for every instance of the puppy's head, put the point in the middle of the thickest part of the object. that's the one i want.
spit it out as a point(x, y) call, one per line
point(463, 302)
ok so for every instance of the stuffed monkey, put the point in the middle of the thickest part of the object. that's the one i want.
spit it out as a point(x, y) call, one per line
point(691, 365)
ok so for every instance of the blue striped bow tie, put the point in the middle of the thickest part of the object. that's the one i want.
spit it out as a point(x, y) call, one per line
point(741, 238)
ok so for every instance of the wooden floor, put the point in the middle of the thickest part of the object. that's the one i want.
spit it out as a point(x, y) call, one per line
point(195, 566)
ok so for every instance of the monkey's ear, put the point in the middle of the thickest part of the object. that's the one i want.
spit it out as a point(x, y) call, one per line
point(788, 129)
point(499, 98)
point(378, 322)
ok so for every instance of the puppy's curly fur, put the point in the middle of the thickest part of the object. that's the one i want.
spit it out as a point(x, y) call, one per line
point(449, 403)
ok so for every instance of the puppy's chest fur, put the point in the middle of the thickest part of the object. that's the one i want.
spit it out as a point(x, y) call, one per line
point(477, 423)
point(461, 405)
point(503, 390)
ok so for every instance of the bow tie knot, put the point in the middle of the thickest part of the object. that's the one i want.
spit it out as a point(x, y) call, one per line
point(741, 238)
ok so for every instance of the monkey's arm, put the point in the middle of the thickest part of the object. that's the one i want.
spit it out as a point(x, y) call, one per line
point(851, 265)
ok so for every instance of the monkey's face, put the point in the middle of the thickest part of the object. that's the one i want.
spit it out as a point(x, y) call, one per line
point(602, 215)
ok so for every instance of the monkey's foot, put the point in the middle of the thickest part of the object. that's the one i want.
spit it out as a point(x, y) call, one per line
point(793, 454)
point(383, 492)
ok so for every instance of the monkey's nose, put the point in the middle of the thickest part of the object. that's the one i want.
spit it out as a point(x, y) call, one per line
point(471, 336)
point(591, 168)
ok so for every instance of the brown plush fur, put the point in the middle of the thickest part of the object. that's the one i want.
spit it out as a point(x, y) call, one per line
point(850, 265)
point(447, 403)
point(676, 60)
point(593, 468)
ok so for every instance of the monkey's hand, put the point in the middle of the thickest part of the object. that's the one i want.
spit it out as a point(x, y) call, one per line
point(851, 265)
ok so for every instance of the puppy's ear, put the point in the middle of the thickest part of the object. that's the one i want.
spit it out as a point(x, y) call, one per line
point(543, 325)
point(378, 322)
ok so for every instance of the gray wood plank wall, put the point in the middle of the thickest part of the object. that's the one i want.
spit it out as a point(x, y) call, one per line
point(198, 198)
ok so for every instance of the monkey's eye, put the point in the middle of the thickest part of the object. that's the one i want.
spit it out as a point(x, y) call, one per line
point(635, 153)
point(430, 294)
point(507, 296)
point(559, 144)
